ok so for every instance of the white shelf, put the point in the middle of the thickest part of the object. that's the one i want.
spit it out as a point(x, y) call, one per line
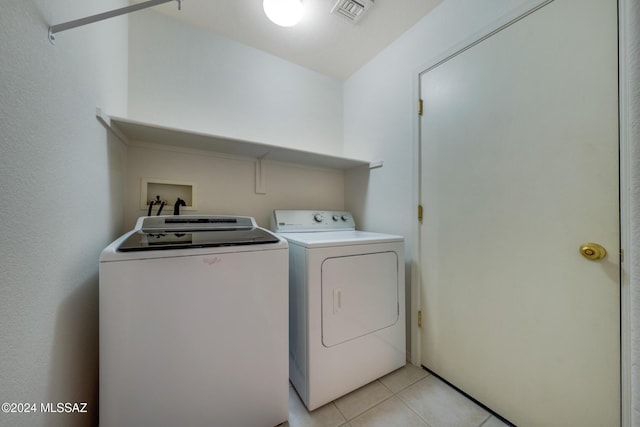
point(131, 130)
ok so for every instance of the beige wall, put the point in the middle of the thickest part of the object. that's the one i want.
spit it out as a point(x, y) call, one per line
point(226, 184)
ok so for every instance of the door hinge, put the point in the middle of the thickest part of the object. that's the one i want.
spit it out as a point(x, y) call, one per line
point(419, 212)
point(420, 107)
point(419, 318)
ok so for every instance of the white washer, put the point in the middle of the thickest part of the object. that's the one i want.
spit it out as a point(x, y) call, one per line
point(193, 324)
point(346, 303)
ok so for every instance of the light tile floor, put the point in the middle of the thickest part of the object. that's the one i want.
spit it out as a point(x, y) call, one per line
point(407, 397)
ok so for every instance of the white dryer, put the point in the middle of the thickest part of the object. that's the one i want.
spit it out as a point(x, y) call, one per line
point(346, 303)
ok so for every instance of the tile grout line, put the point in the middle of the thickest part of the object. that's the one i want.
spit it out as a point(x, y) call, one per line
point(406, 405)
point(485, 421)
point(348, 420)
point(413, 411)
point(393, 394)
point(402, 384)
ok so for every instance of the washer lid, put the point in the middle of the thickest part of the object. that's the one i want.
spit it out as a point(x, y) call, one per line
point(141, 241)
point(339, 238)
point(193, 231)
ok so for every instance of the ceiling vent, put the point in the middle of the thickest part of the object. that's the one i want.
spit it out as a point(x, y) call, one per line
point(351, 10)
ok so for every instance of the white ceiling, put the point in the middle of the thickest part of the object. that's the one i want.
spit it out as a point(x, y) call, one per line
point(323, 42)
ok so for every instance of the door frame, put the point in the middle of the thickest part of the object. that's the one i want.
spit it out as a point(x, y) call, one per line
point(625, 36)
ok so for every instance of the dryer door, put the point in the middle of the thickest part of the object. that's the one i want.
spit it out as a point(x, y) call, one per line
point(359, 295)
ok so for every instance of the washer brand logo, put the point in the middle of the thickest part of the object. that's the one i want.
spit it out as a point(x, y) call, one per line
point(211, 261)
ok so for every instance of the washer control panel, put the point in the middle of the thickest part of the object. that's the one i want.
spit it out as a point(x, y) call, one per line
point(287, 221)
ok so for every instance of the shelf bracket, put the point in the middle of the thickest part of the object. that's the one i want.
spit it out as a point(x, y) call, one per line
point(106, 120)
point(54, 29)
point(261, 175)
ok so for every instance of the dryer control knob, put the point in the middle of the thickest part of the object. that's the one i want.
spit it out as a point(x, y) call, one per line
point(317, 218)
point(336, 217)
point(345, 217)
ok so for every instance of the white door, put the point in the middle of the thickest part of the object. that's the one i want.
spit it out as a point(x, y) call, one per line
point(519, 168)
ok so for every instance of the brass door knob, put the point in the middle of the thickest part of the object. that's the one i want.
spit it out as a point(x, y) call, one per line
point(593, 251)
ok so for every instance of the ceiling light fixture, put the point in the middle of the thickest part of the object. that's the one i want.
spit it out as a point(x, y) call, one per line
point(285, 13)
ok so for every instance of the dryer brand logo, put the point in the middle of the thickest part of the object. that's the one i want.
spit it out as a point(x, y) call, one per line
point(212, 260)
